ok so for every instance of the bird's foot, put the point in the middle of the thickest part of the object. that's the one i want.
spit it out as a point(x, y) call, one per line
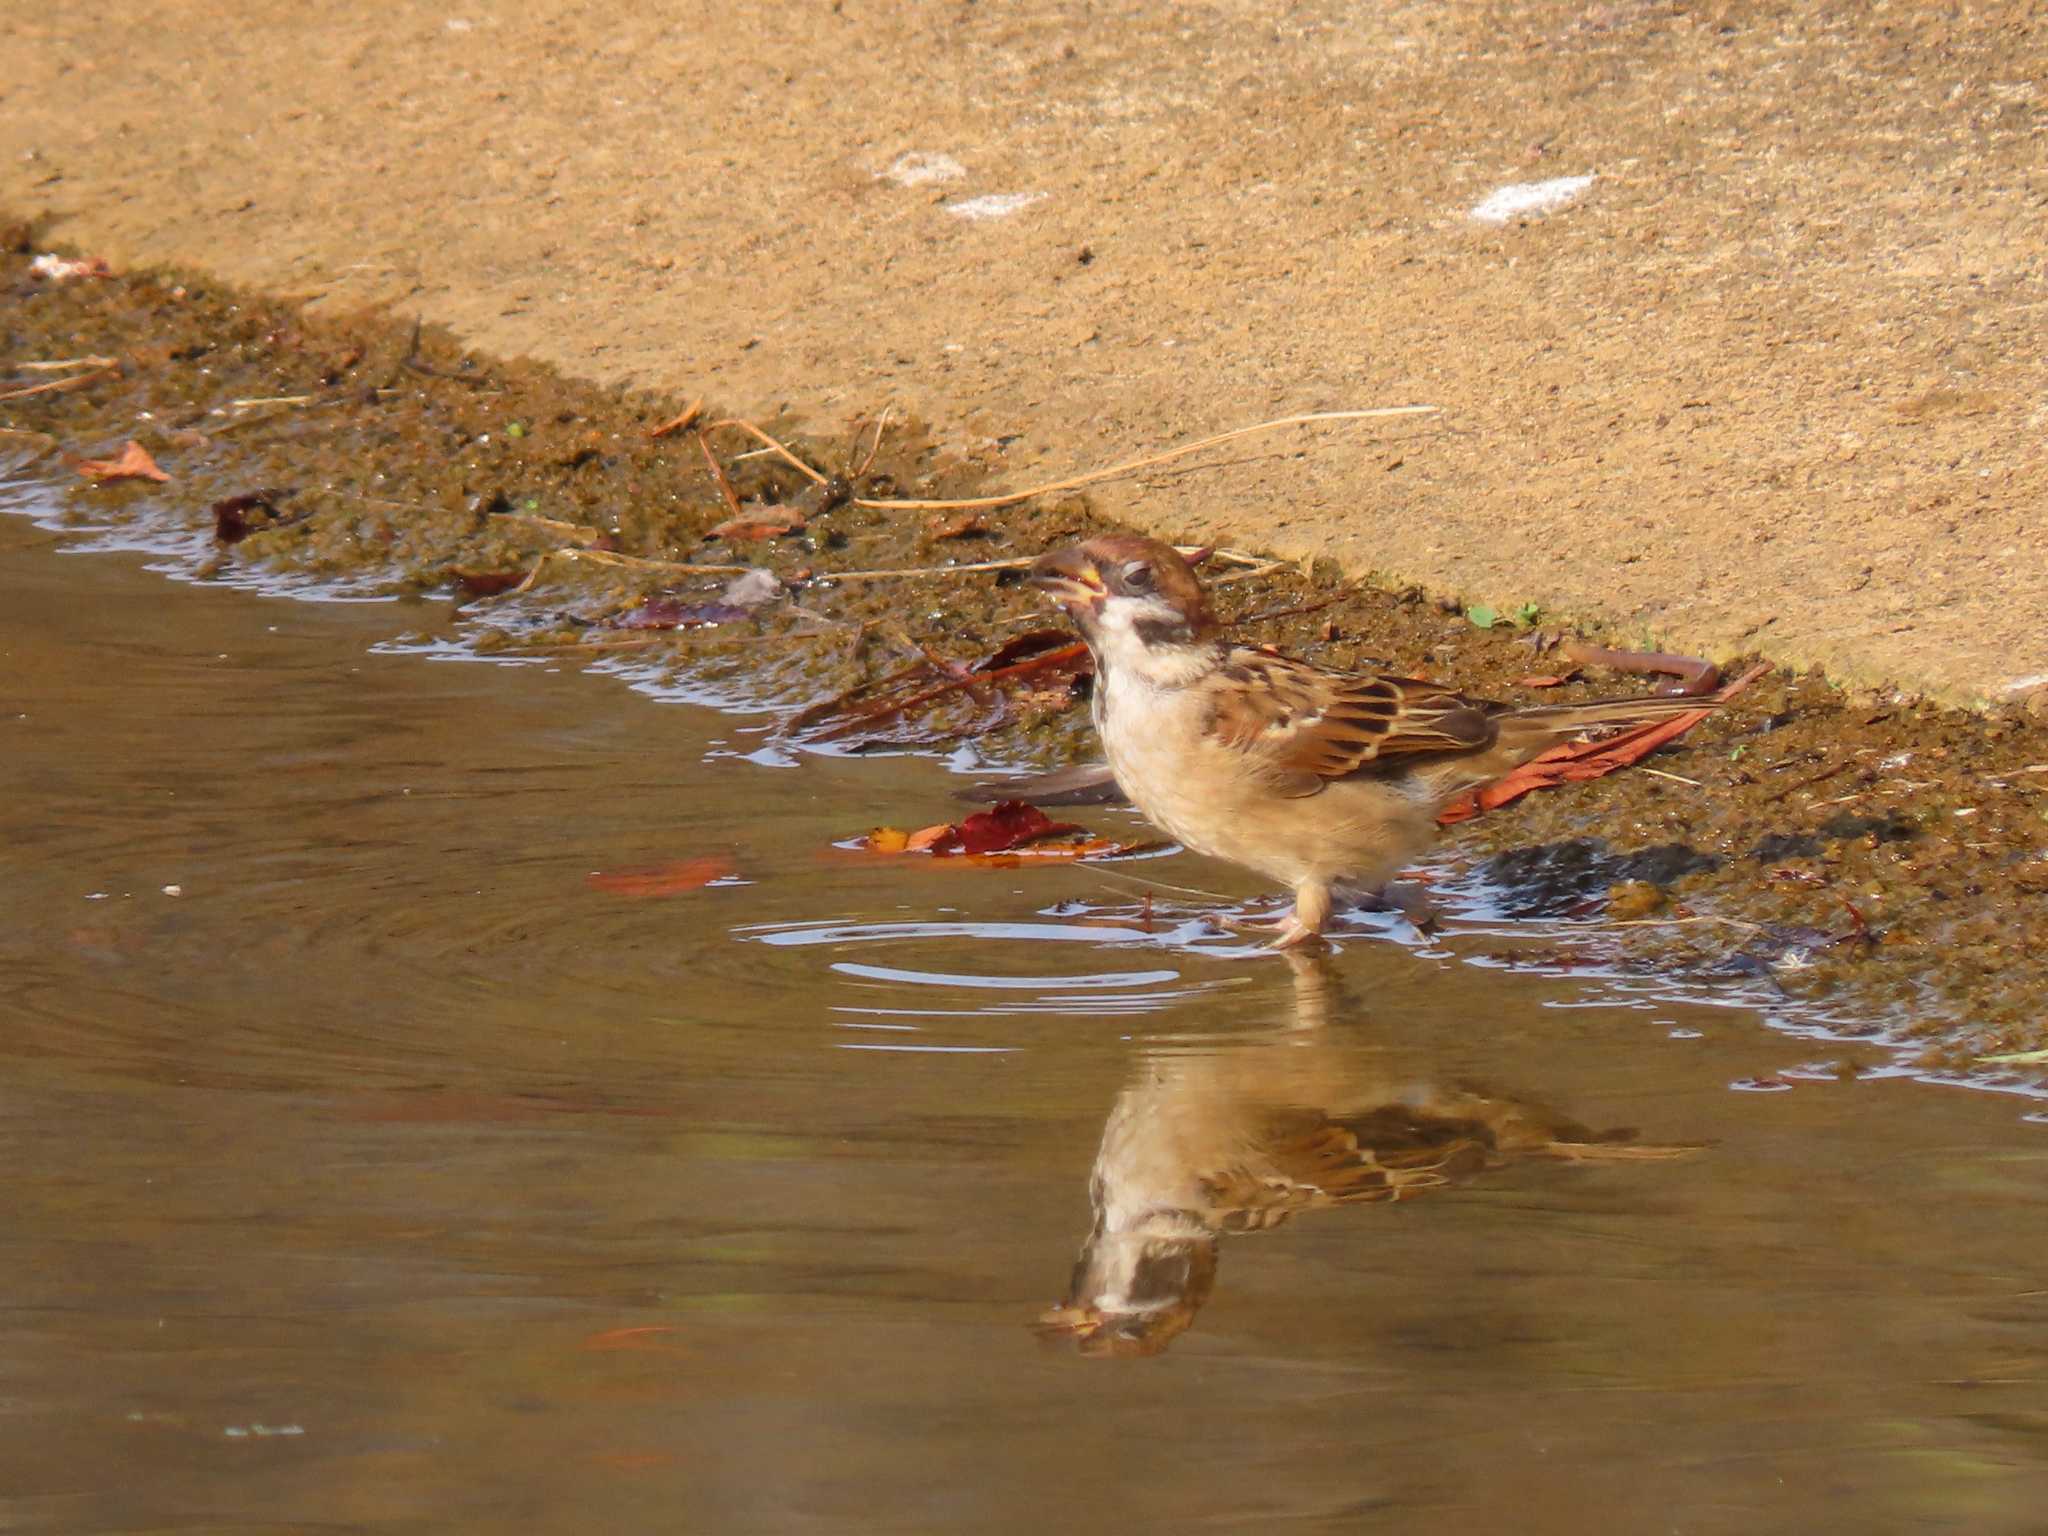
point(1292, 934)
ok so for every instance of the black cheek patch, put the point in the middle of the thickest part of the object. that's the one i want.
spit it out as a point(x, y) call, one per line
point(1161, 631)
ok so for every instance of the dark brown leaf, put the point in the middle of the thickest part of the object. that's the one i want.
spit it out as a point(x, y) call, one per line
point(761, 523)
point(236, 517)
point(486, 583)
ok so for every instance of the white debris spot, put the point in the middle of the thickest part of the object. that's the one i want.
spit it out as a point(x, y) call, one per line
point(2024, 684)
point(1530, 199)
point(262, 1431)
point(997, 205)
point(58, 269)
point(174, 890)
point(917, 169)
point(458, 24)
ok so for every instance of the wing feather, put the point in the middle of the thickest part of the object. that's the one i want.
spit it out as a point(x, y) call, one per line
point(1303, 726)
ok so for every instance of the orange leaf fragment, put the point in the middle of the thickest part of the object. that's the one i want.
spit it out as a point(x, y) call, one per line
point(133, 464)
point(670, 879)
point(924, 839)
point(956, 525)
point(1541, 682)
point(1569, 764)
point(627, 1338)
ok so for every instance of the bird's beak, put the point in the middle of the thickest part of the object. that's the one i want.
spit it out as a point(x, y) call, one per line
point(1069, 578)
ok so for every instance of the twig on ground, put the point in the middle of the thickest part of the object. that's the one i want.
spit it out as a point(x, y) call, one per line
point(754, 431)
point(732, 499)
point(68, 364)
point(875, 447)
point(689, 414)
point(61, 386)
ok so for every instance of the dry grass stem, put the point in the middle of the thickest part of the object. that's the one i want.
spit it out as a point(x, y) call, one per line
point(626, 562)
point(689, 414)
point(875, 447)
point(1021, 562)
point(769, 442)
point(575, 531)
point(69, 364)
point(732, 499)
point(61, 386)
point(1132, 466)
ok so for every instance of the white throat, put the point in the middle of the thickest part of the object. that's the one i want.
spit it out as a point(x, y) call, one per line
point(1122, 652)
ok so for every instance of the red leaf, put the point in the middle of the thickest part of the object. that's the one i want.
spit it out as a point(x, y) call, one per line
point(133, 464)
point(1541, 682)
point(664, 879)
point(1009, 825)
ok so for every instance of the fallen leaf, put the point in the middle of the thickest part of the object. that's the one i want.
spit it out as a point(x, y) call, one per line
point(627, 1338)
point(1035, 642)
point(955, 526)
point(670, 879)
point(486, 583)
point(1542, 682)
point(1008, 824)
point(232, 522)
point(1482, 617)
point(1570, 763)
point(943, 843)
point(133, 464)
point(1576, 761)
point(762, 523)
point(667, 613)
point(934, 701)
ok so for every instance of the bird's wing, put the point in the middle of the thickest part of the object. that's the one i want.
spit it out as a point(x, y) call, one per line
point(1305, 1160)
point(1302, 726)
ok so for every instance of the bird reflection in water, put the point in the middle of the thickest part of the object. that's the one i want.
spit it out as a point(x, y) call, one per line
point(1237, 1138)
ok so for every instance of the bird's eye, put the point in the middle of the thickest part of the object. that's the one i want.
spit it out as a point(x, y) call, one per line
point(1138, 576)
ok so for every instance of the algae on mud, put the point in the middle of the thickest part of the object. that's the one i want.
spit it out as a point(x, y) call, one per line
point(1879, 853)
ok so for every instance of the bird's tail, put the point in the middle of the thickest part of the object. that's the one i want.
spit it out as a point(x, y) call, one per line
point(1526, 732)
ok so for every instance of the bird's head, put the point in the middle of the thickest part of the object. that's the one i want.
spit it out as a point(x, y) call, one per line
point(1134, 599)
point(1134, 1293)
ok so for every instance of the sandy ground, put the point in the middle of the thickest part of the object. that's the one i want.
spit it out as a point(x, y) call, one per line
point(1774, 379)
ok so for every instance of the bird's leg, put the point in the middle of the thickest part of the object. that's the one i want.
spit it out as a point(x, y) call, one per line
point(1311, 911)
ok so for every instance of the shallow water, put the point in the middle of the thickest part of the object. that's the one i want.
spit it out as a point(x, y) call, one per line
point(388, 1175)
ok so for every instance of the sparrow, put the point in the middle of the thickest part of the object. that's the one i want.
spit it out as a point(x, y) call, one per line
point(1315, 778)
point(1217, 1141)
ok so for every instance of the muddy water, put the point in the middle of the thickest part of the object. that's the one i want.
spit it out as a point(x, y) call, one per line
point(369, 1169)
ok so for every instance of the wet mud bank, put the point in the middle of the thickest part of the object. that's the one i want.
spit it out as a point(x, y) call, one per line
point(1879, 860)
